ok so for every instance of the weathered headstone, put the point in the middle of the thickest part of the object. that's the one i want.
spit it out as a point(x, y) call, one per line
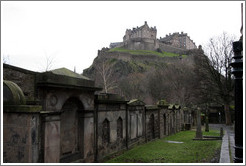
point(198, 128)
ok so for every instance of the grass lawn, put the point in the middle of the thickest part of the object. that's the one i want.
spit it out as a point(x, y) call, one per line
point(160, 151)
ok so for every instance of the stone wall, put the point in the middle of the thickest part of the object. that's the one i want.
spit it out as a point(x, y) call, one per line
point(25, 79)
point(88, 137)
point(189, 43)
point(50, 138)
point(110, 124)
point(170, 48)
point(21, 134)
point(164, 120)
point(136, 122)
point(73, 123)
point(152, 122)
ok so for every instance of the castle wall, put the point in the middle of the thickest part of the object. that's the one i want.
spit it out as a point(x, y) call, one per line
point(170, 48)
point(147, 33)
point(189, 44)
point(141, 44)
point(178, 40)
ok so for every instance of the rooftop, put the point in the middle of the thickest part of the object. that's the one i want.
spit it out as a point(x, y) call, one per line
point(66, 72)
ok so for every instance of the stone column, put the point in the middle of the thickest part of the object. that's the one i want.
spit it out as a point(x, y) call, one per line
point(198, 128)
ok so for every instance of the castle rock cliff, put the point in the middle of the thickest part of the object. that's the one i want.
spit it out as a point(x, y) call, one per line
point(147, 68)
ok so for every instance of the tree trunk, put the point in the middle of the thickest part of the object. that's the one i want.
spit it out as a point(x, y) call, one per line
point(227, 115)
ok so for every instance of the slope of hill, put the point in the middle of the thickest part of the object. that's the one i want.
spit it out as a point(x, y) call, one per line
point(146, 75)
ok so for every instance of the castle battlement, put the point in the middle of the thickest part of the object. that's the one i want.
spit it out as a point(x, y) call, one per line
point(143, 32)
point(134, 30)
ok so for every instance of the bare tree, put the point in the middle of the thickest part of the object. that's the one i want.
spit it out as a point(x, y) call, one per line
point(173, 82)
point(158, 86)
point(47, 62)
point(104, 69)
point(133, 86)
point(219, 53)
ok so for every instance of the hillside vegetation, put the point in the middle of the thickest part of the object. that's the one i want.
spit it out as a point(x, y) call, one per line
point(145, 52)
point(146, 75)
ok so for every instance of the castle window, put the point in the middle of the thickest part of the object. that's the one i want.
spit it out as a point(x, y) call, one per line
point(119, 128)
point(105, 131)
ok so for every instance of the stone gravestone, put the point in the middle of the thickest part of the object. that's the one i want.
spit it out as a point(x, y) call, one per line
point(198, 128)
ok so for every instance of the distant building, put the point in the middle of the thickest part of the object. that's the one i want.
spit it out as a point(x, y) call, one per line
point(113, 45)
point(144, 38)
point(141, 38)
point(180, 40)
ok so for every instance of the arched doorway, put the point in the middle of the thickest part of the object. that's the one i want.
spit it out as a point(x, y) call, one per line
point(71, 131)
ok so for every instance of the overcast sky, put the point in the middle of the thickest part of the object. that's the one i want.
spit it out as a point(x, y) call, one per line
point(72, 32)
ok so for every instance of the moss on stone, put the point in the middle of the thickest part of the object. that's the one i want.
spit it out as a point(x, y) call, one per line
point(22, 108)
point(177, 106)
point(135, 102)
point(171, 106)
point(65, 72)
point(13, 95)
point(162, 102)
point(152, 107)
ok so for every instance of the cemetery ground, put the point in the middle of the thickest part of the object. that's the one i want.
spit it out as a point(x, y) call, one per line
point(183, 149)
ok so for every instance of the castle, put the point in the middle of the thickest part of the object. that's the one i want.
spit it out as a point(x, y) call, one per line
point(144, 38)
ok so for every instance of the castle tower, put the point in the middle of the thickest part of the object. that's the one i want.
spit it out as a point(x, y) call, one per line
point(140, 38)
